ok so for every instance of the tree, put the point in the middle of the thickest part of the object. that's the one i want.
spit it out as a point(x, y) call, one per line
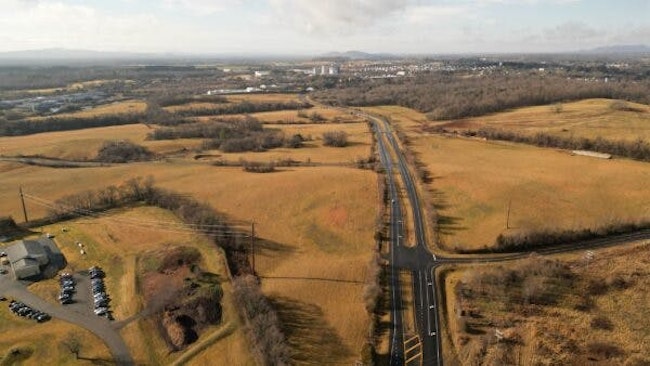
point(335, 138)
point(72, 343)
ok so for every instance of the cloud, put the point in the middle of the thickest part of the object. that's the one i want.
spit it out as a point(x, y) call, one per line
point(334, 16)
point(573, 32)
point(203, 7)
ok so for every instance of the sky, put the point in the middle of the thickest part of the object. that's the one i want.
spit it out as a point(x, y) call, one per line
point(311, 27)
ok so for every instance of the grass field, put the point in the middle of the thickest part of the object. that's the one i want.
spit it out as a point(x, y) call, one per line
point(564, 332)
point(315, 226)
point(475, 181)
point(44, 340)
point(302, 116)
point(84, 144)
point(587, 118)
point(129, 106)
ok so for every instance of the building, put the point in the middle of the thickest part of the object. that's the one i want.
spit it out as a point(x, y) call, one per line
point(259, 74)
point(33, 259)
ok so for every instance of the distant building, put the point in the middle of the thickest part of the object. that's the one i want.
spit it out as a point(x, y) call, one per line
point(32, 259)
point(259, 74)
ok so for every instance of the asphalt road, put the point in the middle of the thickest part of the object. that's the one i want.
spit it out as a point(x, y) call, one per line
point(79, 314)
point(422, 262)
point(416, 258)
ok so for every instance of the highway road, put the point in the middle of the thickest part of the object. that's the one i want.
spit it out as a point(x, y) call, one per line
point(422, 263)
point(415, 258)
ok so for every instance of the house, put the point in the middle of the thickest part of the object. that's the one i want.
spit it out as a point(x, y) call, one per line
point(32, 259)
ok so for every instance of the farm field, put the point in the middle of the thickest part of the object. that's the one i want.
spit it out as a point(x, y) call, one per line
point(592, 319)
point(588, 118)
point(129, 106)
point(84, 144)
point(475, 181)
point(315, 227)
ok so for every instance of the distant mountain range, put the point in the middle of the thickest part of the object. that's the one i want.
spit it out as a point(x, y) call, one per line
point(63, 55)
point(619, 50)
point(356, 55)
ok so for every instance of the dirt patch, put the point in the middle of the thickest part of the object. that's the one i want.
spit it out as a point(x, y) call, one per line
point(337, 216)
point(180, 298)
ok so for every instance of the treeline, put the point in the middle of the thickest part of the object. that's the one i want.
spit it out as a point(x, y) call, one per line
point(535, 240)
point(637, 150)
point(51, 124)
point(268, 341)
point(154, 114)
point(168, 100)
point(222, 129)
point(451, 96)
point(232, 135)
point(267, 338)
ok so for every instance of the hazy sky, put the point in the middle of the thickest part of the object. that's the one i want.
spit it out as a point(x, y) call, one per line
point(318, 26)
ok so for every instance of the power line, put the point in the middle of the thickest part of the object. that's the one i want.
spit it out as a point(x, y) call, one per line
point(166, 226)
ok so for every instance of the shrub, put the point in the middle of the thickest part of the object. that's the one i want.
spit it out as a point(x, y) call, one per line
point(122, 152)
point(335, 138)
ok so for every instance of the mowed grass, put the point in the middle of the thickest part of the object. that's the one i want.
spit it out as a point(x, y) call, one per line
point(114, 241)
point(475, 181)
point(588, 118)
point(315, 227)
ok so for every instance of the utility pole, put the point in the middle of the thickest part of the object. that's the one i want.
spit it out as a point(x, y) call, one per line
point(22, 200)
point(508, 214)
point(253, 246)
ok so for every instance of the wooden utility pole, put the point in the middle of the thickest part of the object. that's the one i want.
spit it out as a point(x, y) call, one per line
point(22, 200)
point(253, 246)
point(508, 214)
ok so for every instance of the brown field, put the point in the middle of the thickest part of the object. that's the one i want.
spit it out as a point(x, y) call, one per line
point(474, 182)
point(84, 144)
point(129, 106)
point(330, 114)
point(359, 139)
point(316, 227)
point(263, 98)
point(587, 118)
point(562, 332)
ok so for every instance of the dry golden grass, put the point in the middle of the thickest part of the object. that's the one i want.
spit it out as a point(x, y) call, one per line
point(289, 116)
point(561, 334)
point(84, 144)
point(359, 139)
point(263, 98)
point(474, 181)
point(587, 118)
point(316, 223)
